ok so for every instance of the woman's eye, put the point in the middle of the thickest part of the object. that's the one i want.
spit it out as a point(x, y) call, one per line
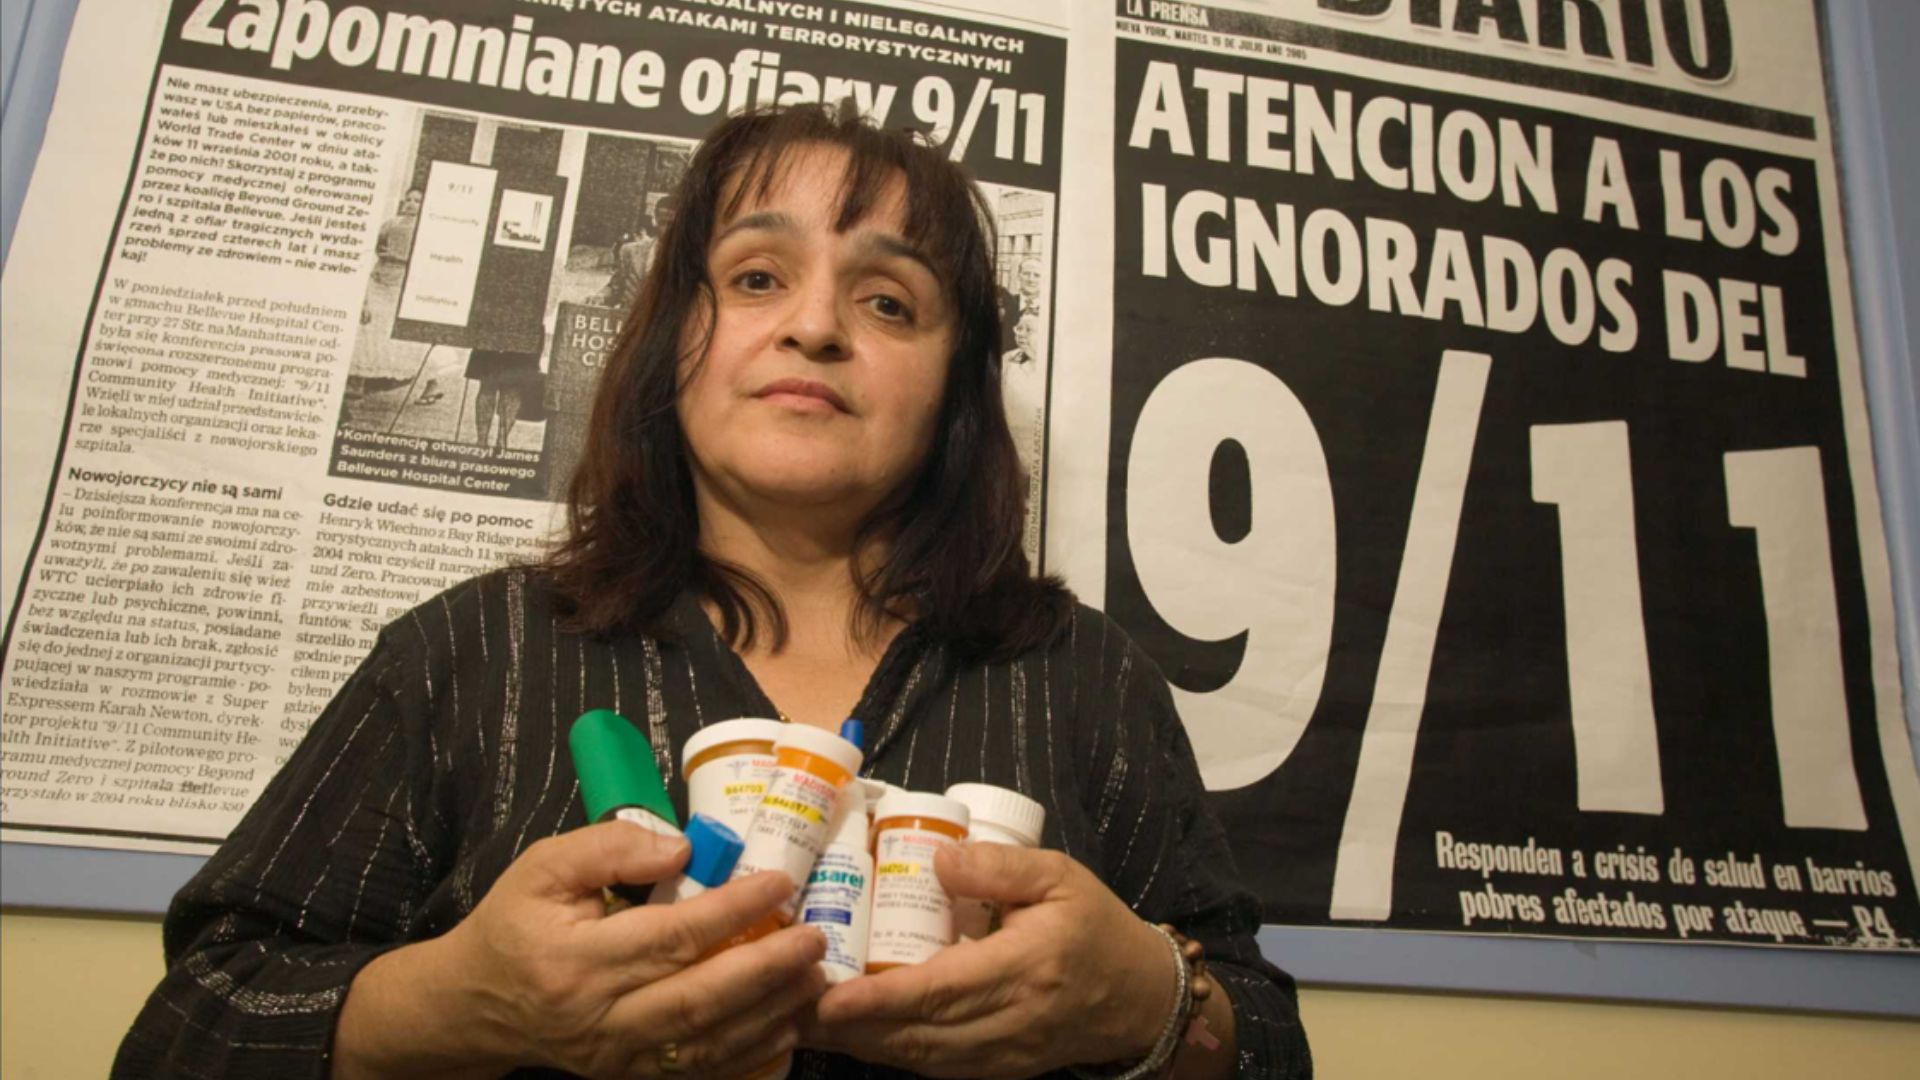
point(755, 281)
point(891, 307)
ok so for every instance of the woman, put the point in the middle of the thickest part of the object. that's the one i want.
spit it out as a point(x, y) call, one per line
point(799, 497)
point(379, 363)
point(508, 380)
point(632, 257)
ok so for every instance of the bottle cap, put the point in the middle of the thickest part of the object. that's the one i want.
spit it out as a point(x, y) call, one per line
point(1002, 808)
point(825, 744)
point(715, 849)
point(615, 765)
point(854, 732)
point(850, 826)
point(897, 803)
point(726, 731)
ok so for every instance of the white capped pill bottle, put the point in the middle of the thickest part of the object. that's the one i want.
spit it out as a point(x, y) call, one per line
point(839, 896)
point(727, 766)
point(999, 816)
point(912, 914)
point(789, 830)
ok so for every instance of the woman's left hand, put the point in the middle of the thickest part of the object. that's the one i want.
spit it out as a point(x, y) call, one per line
point(1073, 977)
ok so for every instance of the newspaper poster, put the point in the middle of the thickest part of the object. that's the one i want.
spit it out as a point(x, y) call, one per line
point(1489, 472)
point(1459, 400)
point(323, 341)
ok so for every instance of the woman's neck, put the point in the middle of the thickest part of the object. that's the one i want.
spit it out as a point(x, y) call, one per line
point(820, 672)
point(806, 560)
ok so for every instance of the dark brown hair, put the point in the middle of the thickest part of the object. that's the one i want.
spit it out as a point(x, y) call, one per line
point(954, 555)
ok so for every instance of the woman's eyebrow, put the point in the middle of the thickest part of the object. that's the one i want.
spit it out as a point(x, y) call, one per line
point(873, 241)
point(768, 220)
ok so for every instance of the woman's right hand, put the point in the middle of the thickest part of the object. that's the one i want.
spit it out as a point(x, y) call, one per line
point(539, 975)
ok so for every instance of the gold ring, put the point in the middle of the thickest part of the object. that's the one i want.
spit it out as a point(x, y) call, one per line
point(668, 1057)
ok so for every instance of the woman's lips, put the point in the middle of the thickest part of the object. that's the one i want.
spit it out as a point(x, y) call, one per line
point(803, 394)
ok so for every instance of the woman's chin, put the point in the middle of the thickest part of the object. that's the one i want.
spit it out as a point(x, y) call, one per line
point(797, 485)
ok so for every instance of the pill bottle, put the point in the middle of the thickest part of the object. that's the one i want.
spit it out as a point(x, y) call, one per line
point(839, 894)
point(789, 830)
point(912, 914)
point(727, 765)
point(715, 848)
point(999, 816)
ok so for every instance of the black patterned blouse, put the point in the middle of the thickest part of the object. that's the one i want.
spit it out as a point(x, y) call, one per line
point(444, 756)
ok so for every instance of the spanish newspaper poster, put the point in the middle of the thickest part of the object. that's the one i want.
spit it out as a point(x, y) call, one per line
point(1486, 465)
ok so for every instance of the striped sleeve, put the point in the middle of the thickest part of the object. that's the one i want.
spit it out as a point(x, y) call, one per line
point(1167, 856)
point(323, 874)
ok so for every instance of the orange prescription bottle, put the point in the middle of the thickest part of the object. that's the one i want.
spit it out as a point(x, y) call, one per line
point(727, 766)
point(790, 827)
point(912, 914)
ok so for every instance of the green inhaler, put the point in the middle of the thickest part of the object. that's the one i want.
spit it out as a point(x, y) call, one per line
point(619, 781)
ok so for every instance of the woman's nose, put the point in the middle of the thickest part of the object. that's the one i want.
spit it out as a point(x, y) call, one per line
point(816, 325)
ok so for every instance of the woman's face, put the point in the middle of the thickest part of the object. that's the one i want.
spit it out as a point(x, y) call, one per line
point(410, 202)
point(829, 350)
